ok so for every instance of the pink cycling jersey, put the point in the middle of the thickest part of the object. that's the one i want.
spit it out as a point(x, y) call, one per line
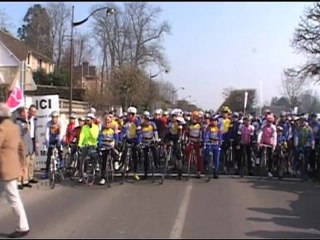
point(246, 132)
point(268, 135)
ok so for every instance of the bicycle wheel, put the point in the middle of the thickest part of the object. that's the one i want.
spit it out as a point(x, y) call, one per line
point(90, 173)
point(151, 163)
point(263, 165)
point(167, 159)
point(125, 167)
point(190, 161)
point(109, 170)
point(209, 168)
point(280, 166)
point(243, 163)
point(52, 174)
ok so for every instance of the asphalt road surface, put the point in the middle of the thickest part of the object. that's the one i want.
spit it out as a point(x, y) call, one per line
point(228, 207)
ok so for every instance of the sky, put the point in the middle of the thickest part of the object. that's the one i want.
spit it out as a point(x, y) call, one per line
point(216, 45)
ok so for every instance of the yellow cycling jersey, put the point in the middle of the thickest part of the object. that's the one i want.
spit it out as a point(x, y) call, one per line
point(108, 137)
point(148, 132)
point(174, 128)
point(225, 125)
point(214, 133)
point(194, 132)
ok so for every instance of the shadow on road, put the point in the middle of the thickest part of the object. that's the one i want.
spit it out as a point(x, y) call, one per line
point(303, 215)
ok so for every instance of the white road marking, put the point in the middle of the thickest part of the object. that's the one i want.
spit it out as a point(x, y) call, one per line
point(182, 213)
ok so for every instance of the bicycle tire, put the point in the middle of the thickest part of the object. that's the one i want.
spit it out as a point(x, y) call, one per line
point(52, 174)
point(244, 159)
point(151, 163)
point(263, 164)
point(125, 166)
point(109, 171)
point(166, 165)
point(190, 160)
point(89, 175)
point(209, 168)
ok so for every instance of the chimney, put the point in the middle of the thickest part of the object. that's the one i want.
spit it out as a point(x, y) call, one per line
point(85, 68)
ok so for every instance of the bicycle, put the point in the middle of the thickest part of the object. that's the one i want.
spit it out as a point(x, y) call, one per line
point(150, 157)
point(71, 159)
point(125, 166)
point(167, 159)
point(54, 170)
point(90, 165)
point(263, 160)
point(303, 165)
point(244, 161)
point(109, 165)
point(209, 165)
point(280, 163)
point(230, 164)
point(192, 159)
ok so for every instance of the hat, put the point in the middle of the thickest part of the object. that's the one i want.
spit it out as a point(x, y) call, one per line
point(90, 116)
point(81, 118)
point(4, 110)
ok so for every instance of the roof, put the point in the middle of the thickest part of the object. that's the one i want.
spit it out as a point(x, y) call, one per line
point(18, 48)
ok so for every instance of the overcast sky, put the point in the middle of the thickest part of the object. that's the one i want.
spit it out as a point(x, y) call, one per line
point(217, 45)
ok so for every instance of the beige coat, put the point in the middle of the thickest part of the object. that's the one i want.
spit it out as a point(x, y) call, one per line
point(12, 157)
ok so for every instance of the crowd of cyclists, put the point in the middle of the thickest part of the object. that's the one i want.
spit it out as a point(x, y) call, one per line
point(233, 140)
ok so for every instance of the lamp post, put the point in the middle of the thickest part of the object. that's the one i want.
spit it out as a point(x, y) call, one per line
point(175, 91)
point(109, 11)
point(151, 76)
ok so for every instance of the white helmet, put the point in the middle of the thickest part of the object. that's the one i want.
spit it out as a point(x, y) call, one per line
point(55, 114)
point(146, 114)
point(158, 111)
point(177, 112)
point(132, 110)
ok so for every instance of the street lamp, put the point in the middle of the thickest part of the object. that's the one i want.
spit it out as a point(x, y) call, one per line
point(185, 98)
point(175, 91)
point(151, 76)
point(109, 11)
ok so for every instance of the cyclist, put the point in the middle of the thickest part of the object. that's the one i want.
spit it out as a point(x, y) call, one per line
point(107, 140)
point(149, 135)
point(246, 131)
point(303, 138)
point(69, 137)
point(175, 126)
point(88, 139)
point(53, 136)
point(194, 136)
point(284, 123)
point(268, 136)
point(225, 123)
point(315, 125)
point(131, 133)
point(213, 136)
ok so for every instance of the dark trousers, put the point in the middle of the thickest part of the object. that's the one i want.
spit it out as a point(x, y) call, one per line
point(114, 154)
point(146, 157)
point(247, 149)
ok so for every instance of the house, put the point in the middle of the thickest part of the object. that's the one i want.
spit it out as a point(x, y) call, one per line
point(16, 56)
point(86, 77)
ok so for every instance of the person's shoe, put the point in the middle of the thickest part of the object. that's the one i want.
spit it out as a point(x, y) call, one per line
point(80, 180)
point(215, 175)
point(136, 177)
point(27, 185)
point(18, 234)
point(270, 175)
point(20, 187)
point(198, 174)
point(33, 181)
point(102, 181)
point(116, 165)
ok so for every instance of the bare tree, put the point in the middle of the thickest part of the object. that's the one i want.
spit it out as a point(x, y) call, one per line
point(5, 21)
point(59, 14)
point(293, 89)
point(306, 40)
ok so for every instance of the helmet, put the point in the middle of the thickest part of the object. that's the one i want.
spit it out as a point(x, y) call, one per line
point(195, 114)
point(55, 114)
point(314, 115)
point(226, 109)
point(90, 116)
point(73, 116)
point(146, 114)
point(235, 114)
point(165, 113)
point(158, 111)
point(176, 112)
point(270, 118)
point(81, 118)
point(214, 117)
point(207, 115)
point(132, 110)
point(280, 129)
point(283, 114)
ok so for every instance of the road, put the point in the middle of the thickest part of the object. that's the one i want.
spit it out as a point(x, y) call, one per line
point(228, 207)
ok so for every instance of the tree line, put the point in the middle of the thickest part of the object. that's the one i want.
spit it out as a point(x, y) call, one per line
point(125, 46)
